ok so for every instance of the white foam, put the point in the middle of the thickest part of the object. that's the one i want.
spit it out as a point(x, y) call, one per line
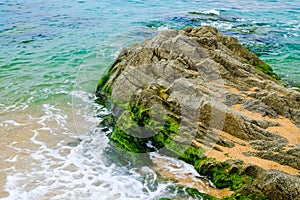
point(62, 172)
point(163, 28)
point(12, 159)
point(58, 171)
point(10, 122)
point(211, 11)
point(219, 25)
point(81, 174)
point(84, 96)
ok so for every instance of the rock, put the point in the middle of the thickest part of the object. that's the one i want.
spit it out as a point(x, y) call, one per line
point(253, 170)
point(258, 106)
point(279, 186)
point(225, 142)
point(198, 88)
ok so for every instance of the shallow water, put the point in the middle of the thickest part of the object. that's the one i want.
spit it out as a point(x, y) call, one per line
point(51, 57)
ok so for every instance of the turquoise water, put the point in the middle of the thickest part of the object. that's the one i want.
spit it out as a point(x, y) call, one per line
point(45, 44)
point(52, 54)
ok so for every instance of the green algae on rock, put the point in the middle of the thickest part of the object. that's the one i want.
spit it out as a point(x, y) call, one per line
point(189, 92)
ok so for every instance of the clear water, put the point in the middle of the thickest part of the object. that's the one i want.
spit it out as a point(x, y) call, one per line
point(52, 54)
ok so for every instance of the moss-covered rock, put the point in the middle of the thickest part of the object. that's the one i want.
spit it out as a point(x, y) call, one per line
point(193, 155)
point(188, 73)
point(117, 155)
point(221, 175)
point(265, 68)
point(134, 129)
point(102, 85)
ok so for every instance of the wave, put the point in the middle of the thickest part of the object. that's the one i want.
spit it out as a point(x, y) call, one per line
point(206, 12)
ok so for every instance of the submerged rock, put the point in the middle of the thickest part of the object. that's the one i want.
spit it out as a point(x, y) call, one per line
point(201, 96)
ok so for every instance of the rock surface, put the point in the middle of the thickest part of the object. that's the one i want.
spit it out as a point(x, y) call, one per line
point(225, 99)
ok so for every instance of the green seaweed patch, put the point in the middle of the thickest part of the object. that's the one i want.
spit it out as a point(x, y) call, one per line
point(133, 128)
point(239, 196)
point(221, 175)
point(192, 155)
point(140, 114)
point(165, 135)
point(128, 142)
point(196, 194)
point(120, 157)
point(267, 69)
point(102, 83)
point(224, 175)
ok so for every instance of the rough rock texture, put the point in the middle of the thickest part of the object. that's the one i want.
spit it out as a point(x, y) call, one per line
point(224, 98)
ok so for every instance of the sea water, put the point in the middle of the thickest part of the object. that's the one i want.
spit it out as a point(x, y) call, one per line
point(52, 54)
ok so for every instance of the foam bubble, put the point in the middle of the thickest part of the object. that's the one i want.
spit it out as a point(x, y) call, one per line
point(211, 12)
point(163, 28)
point(10, 122)
point(219, 25)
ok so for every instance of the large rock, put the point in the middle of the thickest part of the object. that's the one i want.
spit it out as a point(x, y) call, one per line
point(223, 97)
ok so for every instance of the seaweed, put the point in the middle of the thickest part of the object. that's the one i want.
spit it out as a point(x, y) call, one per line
point(265, 68)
